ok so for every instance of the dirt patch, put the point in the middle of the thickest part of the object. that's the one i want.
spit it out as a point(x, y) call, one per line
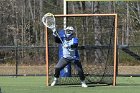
point(8, 70)
point(129, 69)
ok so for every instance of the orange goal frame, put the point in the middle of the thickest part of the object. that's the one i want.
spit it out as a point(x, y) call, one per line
point(82, 15)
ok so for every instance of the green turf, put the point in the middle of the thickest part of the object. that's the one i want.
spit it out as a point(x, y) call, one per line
point(37, 85)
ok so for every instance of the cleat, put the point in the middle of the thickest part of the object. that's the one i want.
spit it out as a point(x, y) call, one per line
point(84, 84)
point(54, 82)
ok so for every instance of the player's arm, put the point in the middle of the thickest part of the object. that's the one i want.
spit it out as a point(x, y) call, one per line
point(75, 43)
point(57, 39)
point(74, 46)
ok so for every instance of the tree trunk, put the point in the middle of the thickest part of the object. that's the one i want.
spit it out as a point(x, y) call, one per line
point(127, 23)
point(97, 35)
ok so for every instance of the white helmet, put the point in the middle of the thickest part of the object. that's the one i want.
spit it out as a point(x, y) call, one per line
point(69, 31)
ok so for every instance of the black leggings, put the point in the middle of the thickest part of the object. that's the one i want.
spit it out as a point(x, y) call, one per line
point(63, 62)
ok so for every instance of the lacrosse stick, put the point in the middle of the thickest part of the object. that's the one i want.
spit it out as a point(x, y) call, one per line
point(49, 21)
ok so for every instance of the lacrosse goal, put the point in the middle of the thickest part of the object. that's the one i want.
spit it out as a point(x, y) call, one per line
point(97, 35)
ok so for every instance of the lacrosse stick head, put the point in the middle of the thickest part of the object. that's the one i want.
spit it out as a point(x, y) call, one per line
point(49, 21)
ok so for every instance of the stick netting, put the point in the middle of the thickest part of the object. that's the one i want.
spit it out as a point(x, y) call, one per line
point(96, 42)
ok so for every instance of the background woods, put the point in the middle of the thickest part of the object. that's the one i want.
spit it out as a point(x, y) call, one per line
point(20, 26)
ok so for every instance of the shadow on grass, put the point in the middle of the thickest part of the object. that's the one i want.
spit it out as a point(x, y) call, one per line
point(89, 85)
point(0, 90)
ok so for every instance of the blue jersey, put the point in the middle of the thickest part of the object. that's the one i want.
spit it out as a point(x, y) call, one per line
point(68, 52)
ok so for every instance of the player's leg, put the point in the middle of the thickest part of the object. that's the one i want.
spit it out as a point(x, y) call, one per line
point(59, 66)
point(80, 73)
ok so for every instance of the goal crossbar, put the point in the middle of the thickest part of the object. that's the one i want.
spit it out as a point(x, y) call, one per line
point(80, 15)
point(88, 0)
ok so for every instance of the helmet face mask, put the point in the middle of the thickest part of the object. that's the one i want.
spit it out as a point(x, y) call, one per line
point(69, 31)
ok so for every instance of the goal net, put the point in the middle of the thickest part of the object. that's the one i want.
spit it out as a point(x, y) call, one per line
point(97, 39)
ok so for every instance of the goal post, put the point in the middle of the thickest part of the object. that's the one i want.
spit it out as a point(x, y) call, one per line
point(98, 60)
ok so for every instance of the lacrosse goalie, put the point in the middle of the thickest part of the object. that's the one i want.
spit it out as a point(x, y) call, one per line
point(69, 54)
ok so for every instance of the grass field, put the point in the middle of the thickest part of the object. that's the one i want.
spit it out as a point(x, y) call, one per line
point(28, 84)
